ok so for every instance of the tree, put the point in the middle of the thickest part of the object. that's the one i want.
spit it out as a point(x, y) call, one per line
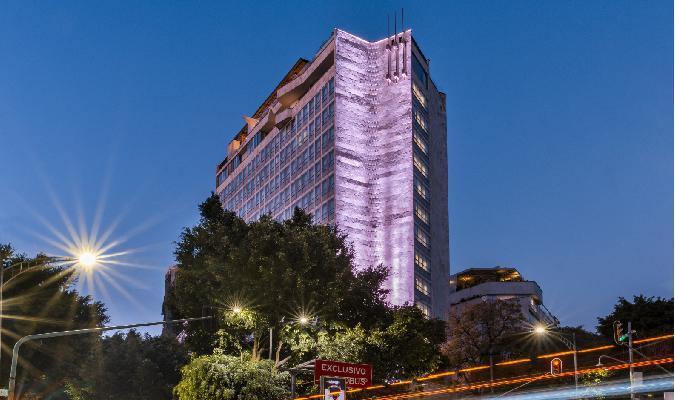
point(649, 316)
point(40, 299)
point(278, 269)
point(483, 329)
point(223, 377)
point(129, 366)
point(406, 347)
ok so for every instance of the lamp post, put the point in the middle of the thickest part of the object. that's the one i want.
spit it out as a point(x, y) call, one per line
point(571, 345)
point(599, 364)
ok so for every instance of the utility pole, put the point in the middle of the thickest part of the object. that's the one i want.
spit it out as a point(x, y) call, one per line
point(576, 375)
point(492, 376)
point(630, 357)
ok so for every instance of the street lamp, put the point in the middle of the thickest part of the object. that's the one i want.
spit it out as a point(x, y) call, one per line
point(599, 364)
point(543, 330)
point(87, 259)
point(540, 329)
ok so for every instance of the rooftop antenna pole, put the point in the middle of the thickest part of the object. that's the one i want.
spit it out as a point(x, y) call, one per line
point(405, 47)
point(396, 44)
point(388, 47)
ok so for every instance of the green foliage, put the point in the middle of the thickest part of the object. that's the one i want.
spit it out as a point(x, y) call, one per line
point(407, 347)
point(649, 315)
point(38, 298)
point(129, 366)
point(591, 380)
point(223, 377)
point(277, 269)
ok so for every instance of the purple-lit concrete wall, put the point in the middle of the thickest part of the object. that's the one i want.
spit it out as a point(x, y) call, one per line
point(373, 149)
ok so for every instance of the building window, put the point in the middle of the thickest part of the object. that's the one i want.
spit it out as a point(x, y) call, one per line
point(421, 190)
point(421, 166)
point(426, 310)
point(421, 119)
point(422, 286)
point(422, 262)
point(327, 185)
point(317, 102)
point(420, 142)
point(303, 136)
point(420, 72)
point(421, 213)
point(327, 161)
point(327, 137)
point(328, 209)
point(422, 237)
point(419, 95)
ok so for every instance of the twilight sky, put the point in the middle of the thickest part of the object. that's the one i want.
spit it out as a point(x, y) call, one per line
point(560, 129)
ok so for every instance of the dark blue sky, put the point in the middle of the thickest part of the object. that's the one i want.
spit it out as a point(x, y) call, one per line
point(560, 128)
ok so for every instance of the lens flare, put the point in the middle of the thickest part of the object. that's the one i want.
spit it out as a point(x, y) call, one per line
point(87, 259)
point(540, 329)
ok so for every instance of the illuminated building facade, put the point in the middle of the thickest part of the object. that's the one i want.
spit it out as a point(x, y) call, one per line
point(476, 285)
point(356, 137)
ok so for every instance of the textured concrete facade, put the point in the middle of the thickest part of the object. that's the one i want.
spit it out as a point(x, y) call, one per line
point(373, 147)
point(352, 160)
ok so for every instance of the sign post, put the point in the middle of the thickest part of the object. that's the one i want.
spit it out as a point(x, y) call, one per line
point(333, 385)
point(355, 375)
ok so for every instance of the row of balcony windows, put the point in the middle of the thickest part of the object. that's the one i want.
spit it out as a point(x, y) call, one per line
point(320, 105)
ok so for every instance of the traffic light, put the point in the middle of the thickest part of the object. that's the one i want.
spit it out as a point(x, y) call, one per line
point(556, 366)
point(619, 336)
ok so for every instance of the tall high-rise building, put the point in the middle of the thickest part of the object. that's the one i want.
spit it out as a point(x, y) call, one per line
point(356, 137)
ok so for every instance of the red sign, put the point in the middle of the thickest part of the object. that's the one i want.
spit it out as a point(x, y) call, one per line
point(356, 375)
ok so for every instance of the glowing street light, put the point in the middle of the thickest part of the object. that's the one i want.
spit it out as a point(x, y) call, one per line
point(87, 259)
point(303, 320)
point(540, 330)
point(237, 309)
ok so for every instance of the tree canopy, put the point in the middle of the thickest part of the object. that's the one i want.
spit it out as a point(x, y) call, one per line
point(649, 316)
point(38, 298)
point(129, 366)
point(281, 270)
point(297, 281)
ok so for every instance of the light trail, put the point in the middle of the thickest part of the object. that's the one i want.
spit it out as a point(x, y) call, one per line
point(597, 391)
point(505, 382)
point(501, 364)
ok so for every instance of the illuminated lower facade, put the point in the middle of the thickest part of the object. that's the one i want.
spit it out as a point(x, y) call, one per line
point(356, 137)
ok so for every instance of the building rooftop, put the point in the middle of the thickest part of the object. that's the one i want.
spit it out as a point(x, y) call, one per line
point(240, 137)
point(475, 276)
